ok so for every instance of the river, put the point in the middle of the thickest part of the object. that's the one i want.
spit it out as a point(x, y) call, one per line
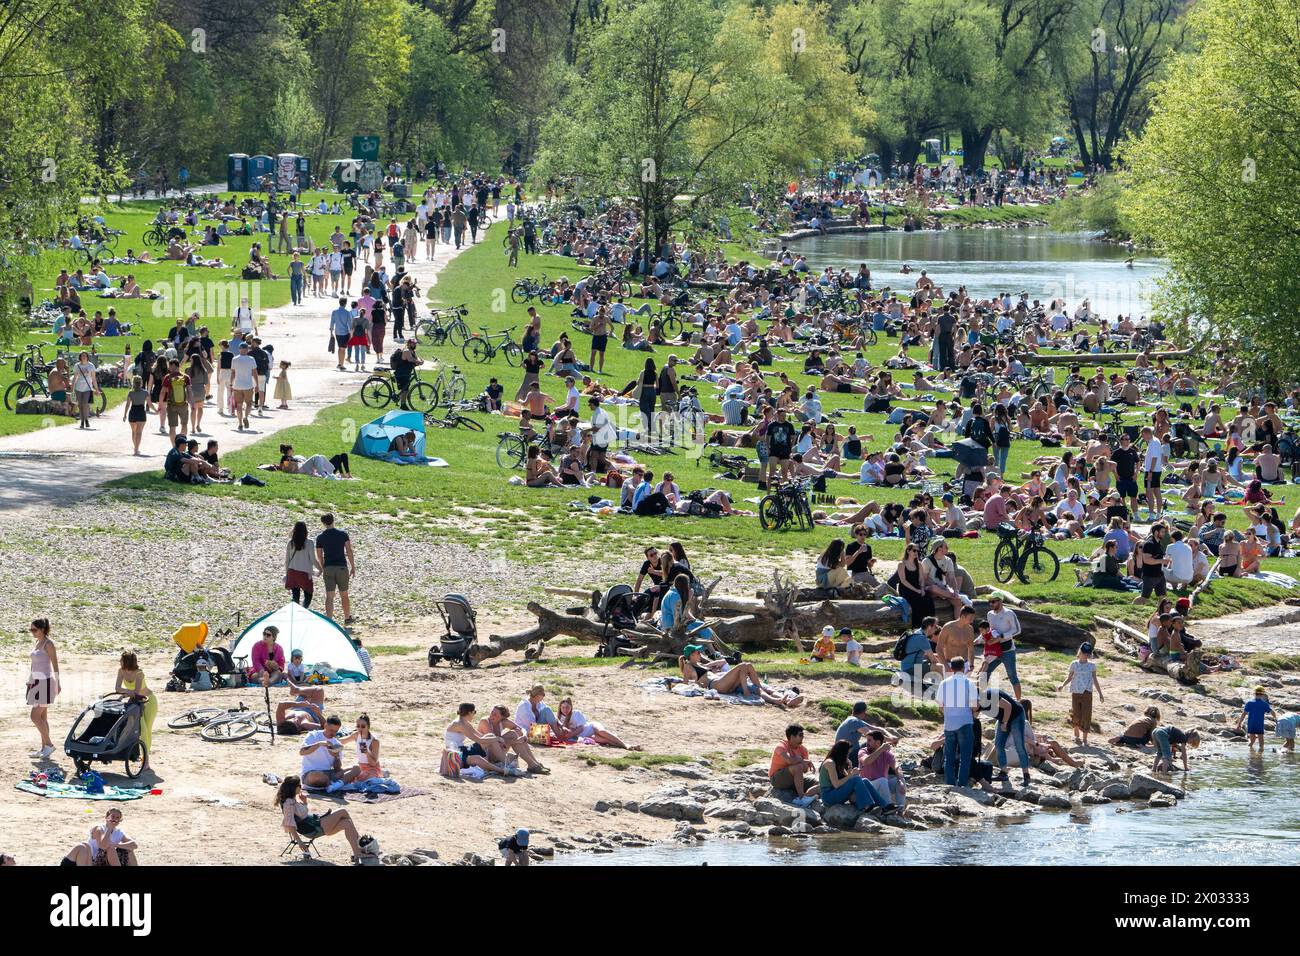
point(1035, 260)
point(1240, 811)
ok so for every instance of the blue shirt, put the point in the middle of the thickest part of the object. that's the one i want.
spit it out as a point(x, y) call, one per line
point(1255, 711)
point(668, 607)
point(341, 319)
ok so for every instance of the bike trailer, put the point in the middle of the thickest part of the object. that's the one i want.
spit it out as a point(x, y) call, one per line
point(105, 732)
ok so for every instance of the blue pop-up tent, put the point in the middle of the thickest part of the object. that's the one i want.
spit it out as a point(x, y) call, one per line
point(375, 440)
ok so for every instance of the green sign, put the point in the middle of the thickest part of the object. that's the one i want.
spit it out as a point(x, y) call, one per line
point(365, 147)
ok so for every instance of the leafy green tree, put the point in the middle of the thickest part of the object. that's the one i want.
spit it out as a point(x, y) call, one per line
point(1213, 183)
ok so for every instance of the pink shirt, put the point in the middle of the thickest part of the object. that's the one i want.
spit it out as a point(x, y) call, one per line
point(995, 511)
point(260, 655)
point(877, 765)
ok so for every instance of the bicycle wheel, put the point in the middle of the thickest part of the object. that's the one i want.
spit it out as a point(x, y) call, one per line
point(18, 390)
point(771, 513)
point(802, 512)
point(514, 354)
point(428, 331)
point(623, 288)
point(476, 350)
point(100, 403)
point(193, 718)
point(422, 397)
point(869, 336)
point(454, 391)
point(1039, 565)
point(511, 452)
point(671, 324)
point(376, 392)
point(1004, 562)
point(458, 334)
point(135, 759)
point(235, 728)
point(465, 421)
point(520, 294)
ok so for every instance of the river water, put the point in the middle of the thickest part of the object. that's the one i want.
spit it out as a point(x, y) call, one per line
point(1035, 260)
point(1240, 811)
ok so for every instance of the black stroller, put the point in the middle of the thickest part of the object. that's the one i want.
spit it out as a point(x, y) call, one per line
point(617, 609)
point(457, 645)
point(105, 732)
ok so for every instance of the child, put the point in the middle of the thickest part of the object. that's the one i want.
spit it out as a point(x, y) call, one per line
point(1082, 678)
point(1285, 730)
point(282, 390)
point(824, 649)
point(990, 647)
point(1253, 714)
point(852, 649)
point(1166, 739)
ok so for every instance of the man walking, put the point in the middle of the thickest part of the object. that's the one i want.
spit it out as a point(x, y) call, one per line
point(341, 326)
point(334, 553)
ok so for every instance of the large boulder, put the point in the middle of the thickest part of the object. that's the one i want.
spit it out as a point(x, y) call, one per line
point(1142, 785)
point(841, 815)
point(673, 808)
point(1118, 790)
point(1054, 801)
point(728, 810)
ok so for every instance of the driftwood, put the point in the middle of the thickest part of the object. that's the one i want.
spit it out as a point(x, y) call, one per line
point(1087, 358)
point(1129, 639)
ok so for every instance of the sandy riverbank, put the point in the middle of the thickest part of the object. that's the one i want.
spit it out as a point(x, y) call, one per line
point(214, 807)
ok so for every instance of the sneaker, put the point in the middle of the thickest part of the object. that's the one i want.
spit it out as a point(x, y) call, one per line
point(44, 752)
point(349, 620)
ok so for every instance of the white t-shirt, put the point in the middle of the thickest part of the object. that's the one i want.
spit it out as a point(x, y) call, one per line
point(322, 759)
point(1155, 456)
point(244, 370)
point(245, 316)
point(957, 695)
point(1179, 554)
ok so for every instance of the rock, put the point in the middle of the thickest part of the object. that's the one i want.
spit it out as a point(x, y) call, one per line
point(1054, 801)
point(865, 824)
point(1143, 785)
point(473, 859)
point(1094, 798)
point(673, 808)
point(1119, 790)
point(1161, 800)
point(601, 806)
point(728, 810)
point(779, 831)
point(1131, 708)
point(1231, 700)
point(1155, 693)
point(689, 773)
point(841, 815)
point(1216, 717)
point(1101, 783)
point(543, 851)
point(784, 813)
point(631, 806)
point(742, 828)
point(1028, 796)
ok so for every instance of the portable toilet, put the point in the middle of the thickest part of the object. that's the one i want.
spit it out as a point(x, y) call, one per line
point(237, 172)
point(304, 173)
point(286, 171)
point(933, 149)
point(259, 167)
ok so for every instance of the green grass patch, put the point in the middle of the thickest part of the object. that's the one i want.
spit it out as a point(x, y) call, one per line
point(743, 757)
point(635, 758)
point(382, 650)
point(1276, 662)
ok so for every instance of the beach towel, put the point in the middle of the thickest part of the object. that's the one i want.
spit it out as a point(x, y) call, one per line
point(375, 785)
point(385, 797)
point(75, 792)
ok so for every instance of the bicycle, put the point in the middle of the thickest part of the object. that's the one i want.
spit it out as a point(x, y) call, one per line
point(156, 234)
point(1024, 555)
point(433, 331)
point(223, 726)
point(526, 289)
point(480, 348)
point(787, 505)
point(512, 450)
point(450, 388)
point(380, 391)
point(452, 419)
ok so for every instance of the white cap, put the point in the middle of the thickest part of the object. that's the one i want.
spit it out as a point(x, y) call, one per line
point(828, 631)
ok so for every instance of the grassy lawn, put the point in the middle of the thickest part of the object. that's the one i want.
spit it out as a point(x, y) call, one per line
point(474, 500)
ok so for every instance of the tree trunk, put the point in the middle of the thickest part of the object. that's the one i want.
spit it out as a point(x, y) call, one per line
point(974, 144)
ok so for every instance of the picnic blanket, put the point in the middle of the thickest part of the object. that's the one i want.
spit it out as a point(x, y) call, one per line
point(70, 791)
point(375, 785)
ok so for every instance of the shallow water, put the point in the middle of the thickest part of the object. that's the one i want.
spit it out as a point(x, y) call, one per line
point(989, 261)
point(1241, 811)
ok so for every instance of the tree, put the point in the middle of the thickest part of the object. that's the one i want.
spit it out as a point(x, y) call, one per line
point(1105, 71)
point(1213, 183)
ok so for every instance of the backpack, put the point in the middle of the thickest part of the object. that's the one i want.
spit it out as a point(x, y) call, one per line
point(394, 360)
point(979, 431)
point(900, 647)
point(177, 396)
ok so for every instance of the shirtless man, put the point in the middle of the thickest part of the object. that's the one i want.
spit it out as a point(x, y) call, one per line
point(957, 638)
point(599, 327)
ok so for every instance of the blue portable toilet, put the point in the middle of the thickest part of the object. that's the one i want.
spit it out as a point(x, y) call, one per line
point(237, 172)
point(304, 173)
point(258, 167)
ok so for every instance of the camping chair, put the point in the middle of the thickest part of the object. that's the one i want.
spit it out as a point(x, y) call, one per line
point(460, 621)
point(305, 845)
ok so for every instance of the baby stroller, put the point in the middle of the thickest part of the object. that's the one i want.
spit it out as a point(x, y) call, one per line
point(201, 667)
point(616, 609)
point(105, 732)
point(457, 645)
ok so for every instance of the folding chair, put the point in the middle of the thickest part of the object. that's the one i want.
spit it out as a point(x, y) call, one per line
point(305, 845)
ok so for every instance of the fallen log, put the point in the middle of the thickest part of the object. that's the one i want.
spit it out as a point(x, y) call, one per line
point(1129, 640)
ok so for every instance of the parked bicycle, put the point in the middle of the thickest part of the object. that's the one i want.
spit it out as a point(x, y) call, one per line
point(526, 289)
point(485, 346)
point(512, 450)
point(787, 505)
point(223, 726)
point(445, 325)
point(453, 418)
point(1024, 555)
point(450, 388)
point(380, 391)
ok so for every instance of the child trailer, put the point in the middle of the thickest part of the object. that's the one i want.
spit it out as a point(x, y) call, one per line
point(105, 732)
point(617, 609)
point(459, 620)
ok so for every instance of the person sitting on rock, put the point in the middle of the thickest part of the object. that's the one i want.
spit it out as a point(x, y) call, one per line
point(790, 763)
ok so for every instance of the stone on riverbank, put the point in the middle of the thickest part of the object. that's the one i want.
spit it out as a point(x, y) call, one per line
point(1143, 785)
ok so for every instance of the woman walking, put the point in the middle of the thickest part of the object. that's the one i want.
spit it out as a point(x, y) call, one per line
point(131, 683)
point(85, 384)
point(42, 684)
point(300, 564)
point(200, 374)
point(136, 411)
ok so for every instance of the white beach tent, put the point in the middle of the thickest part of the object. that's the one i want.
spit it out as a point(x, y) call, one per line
point(320, 639)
